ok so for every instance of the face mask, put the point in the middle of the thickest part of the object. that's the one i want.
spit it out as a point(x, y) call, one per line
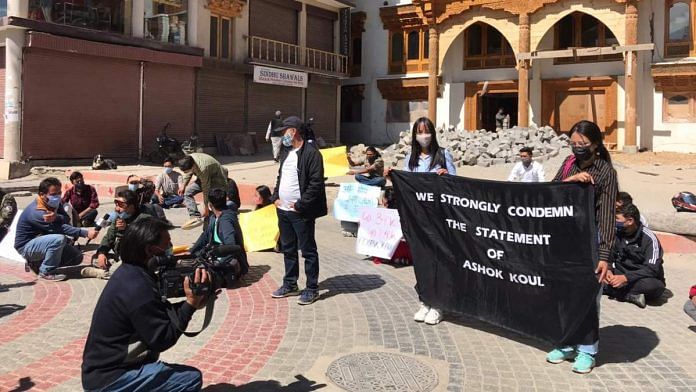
point(133, 187)
point(582, 153)
point(80, 186)
point(424, 139)
point(526, 161)
point(168, 170)
point(287, 140)
point(53, 201)
point(620, 228)
point(371, 159)
point(167, 252)
point(124, 215)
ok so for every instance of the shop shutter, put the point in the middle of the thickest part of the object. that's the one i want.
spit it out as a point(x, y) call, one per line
point(265, 99)
point(169, 97)
point(2, 100)
point(320, 29)
point(274, 19)
point(220, 104)
point(77, 106)
point(321, 104)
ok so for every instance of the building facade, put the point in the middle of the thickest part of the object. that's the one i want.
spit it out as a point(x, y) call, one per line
point(629, 65)
point(87, 77)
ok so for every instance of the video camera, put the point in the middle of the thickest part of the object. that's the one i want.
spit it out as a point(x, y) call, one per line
point(172, 270)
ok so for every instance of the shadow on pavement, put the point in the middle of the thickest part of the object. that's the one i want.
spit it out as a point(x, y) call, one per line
point(8, 309)
point(7, 287)
point(301, 385)
point(256, 273)
point(471, 322)
point(623, 343)
point(349, 284)
point(664, 298)
point(692, 328)
point(25, 384)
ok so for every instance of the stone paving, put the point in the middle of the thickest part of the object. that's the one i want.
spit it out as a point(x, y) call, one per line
point(256, 343)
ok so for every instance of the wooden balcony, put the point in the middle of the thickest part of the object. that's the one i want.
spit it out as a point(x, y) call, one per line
point(282, 54)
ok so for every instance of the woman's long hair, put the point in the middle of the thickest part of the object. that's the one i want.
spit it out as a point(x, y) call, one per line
point(592, 132)
point(436, 156)
point(265, 193)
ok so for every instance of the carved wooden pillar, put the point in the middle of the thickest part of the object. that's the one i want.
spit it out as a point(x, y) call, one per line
point(631, 74)
point(523, 73)
point(433, 59)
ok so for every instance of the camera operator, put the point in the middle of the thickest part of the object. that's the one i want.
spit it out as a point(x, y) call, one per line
point(130, 326)
point(223, 229)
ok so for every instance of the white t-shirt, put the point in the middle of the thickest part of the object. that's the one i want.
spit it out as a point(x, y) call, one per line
point(289, 190)
point(533, 173)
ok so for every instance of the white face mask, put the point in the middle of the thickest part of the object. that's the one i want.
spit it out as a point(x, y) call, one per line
point(424, 139)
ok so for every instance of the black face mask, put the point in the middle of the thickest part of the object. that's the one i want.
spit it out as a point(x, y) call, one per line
point(371, 159)
point(582, 154)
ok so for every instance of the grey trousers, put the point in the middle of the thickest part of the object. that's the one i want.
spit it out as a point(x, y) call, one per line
point(276, 142)
point(690, 309)
point(191, 191)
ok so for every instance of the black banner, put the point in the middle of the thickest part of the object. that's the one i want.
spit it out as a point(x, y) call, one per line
point(520, 256)
point(344, 31)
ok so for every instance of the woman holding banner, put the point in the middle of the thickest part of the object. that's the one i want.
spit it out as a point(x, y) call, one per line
point(590, 163)
point(427, 157)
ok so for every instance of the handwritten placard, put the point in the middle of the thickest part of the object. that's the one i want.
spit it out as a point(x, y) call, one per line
point(379, 233)
point(352, 197)
point(260, 228)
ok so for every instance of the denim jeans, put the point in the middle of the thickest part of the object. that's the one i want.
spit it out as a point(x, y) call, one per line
point(191, 191)
point(690, 309)
point(158, 376)
point(53, 251)
point(169, 201)
point(298, 233)
point(372, 181)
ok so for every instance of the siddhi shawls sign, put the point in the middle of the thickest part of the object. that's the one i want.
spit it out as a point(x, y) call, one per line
point(520, 256)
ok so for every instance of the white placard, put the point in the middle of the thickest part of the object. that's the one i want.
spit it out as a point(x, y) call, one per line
point(352, 198)
point(7, 250)
point(380, 232)
point(280, 77)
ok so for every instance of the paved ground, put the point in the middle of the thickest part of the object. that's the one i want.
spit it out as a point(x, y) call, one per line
point(256, 343)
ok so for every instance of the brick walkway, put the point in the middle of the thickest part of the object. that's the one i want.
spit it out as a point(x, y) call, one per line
point(256, 343)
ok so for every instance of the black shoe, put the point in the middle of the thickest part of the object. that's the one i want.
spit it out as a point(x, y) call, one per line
point(308, 297)
point(636, 299)
point(32, 267)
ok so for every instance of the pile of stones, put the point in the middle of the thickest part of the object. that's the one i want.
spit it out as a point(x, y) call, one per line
point(483, 148)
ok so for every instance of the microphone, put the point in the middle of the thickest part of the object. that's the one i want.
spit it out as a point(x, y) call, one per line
point(103, 222)
point(226, 250)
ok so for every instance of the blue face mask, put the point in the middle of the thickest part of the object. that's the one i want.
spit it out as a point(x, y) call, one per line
point(123, 215)
point(53, 201)
point(287, 140)
point(168, 170)
point(133, 187)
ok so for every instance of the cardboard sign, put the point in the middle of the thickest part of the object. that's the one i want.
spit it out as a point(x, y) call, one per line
point(335, 162)
point(260, 228)
point(352, 198)
point(280, 77)
point(7, 250)
point(380, 232)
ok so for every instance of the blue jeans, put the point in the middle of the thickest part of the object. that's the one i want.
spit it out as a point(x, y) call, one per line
point(169, 201)
point(158, 376)
point(298, 233)
point(53, 251)
point(372, 181)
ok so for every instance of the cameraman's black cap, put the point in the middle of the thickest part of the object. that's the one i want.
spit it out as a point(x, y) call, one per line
point(291, 122)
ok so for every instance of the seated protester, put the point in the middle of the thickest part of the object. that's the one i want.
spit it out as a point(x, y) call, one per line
point(636, 273)
point(223, 229)
point(234, 202)
point(262, 197)
point(83, 199)
point(623, 199)
point(41, 234)
point(167, 185)
point(129, 210)
point(690, 305)
point(131, 325)
point(133, 182)
point(372, 172)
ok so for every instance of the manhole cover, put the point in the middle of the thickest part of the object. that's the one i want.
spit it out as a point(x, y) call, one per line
point(381, 372)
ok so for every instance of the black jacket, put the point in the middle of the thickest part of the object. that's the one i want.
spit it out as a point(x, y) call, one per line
point(310, 175)
point(229, 232)
point(638, 256)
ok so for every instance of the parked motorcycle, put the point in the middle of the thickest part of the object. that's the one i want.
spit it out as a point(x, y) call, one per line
point(169, 147)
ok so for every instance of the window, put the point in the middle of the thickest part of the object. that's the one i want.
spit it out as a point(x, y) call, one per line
point(485, 47)
point(351, 103)
point(678, 29)
point(408, 51)
point(221, 37)
point(3, 7)
point(356, 57)
point(406, 111)
point(579, 30)
point(105, 15)
point(166, 20)
point(679, 107)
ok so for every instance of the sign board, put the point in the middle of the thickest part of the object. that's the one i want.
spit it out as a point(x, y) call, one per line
point(380, 232)
point(260, 228)
point(352, 198)
point(335, 161)
point(280, 77)
point(344, 19)
point(7, 249)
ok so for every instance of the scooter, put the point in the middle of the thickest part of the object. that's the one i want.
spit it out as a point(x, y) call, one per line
point(169, 147)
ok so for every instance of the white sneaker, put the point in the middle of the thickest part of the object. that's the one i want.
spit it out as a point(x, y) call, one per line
point(433, 317)
point(421, 313)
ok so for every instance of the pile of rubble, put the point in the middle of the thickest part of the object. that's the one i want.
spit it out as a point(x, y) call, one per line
point(483, 148)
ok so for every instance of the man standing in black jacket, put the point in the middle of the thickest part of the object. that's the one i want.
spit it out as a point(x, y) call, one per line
point(636, 273)
point(130, 325)
point(300, 197)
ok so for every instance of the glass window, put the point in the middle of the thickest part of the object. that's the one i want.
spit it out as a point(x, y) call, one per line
point(213, 36)
point(495, 42)
point(414, 45)
point(397, 47)
point(566, 33)
point(609, 38)
point(677, 108)
point(3, 7)
point(426, 44)
point(166, 20)
point(104, 15)
point(589, 32)
point(474, 38)
point(225, 38)
point(398, 112)
point(679, 22)
point(357, 51)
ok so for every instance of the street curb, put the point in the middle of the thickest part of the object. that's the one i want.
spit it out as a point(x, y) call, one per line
point(675, 243)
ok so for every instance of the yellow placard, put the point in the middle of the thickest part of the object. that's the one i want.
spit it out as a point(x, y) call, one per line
point(260, 228)
point(335, 161)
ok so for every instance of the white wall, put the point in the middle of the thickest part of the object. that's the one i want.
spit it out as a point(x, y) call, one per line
point(677, 137)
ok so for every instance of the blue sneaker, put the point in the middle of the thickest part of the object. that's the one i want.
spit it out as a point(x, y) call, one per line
point(560, 355)
point(286, 291)
point(308, 297)
point(584, 363)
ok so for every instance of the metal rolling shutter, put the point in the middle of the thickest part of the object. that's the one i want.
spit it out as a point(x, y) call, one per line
point(265, 99)
point(76, 106)
point(321, 104)
point(274, 19)
point(320, 29)
point(220, 104)
point(2, 100)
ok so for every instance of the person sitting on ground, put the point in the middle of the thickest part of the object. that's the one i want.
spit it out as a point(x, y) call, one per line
point(167, 185)
point(234, 201)
point(690, 305)
point(372, 172)
point(637, 274)
point(131, 324)
point(262, 197)
point(223, 229)
point(209, 175)
point(129, 210)
point(625, 198)
point(42, 234)
point(527, 170)
point(83, 199)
